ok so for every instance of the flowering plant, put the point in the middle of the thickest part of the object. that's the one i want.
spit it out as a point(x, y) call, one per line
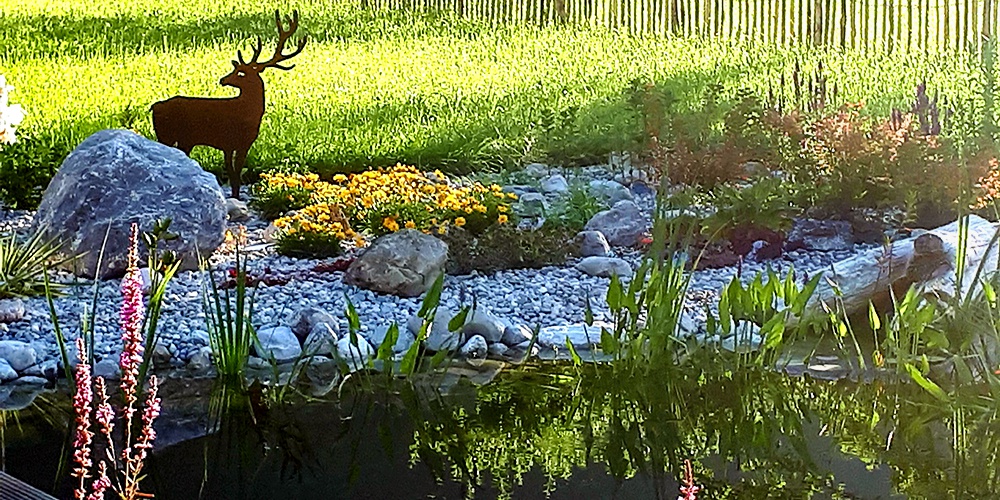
point(316, 230)
point(279, 192)
point(119, 471)
point(10, 115)
point(402, 197)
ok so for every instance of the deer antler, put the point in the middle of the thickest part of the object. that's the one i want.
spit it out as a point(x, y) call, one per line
point(283, 36)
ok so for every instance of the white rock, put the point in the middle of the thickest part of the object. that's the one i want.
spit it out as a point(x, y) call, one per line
point(278, 343)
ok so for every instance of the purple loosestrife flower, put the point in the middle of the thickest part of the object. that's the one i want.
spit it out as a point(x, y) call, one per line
point(82, 401)
point(689, 490)
point(102, 484)
point(149, 414)
point(105, 414)
point(132, 314)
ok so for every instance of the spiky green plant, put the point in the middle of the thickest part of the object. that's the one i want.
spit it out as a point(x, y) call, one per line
point(23, 265)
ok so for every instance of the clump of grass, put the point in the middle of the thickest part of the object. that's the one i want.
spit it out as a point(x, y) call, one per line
point(23, 265)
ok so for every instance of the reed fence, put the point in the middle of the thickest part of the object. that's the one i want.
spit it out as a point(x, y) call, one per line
point(910, 25)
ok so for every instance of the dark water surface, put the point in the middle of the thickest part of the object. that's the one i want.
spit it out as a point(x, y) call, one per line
point(547, 431)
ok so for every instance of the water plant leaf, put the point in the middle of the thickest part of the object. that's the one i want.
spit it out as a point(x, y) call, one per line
point(458, 321)
point(409, 362)
point(725, 311)
point(773, 331)
point(353, 321)
point(385, 348)
point(928, 385)
point(614, 296)
point(873, 318)
point(609, 344)
point(577, 361)
point(432, 298)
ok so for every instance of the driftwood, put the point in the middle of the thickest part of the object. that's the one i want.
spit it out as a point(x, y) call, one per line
point(928, 259)
point(230, 125)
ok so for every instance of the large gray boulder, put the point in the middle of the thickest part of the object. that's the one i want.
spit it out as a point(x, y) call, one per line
point(404, 263)
point(115, 178)
point(623, 224)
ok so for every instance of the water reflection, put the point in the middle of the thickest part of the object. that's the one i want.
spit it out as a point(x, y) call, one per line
point(547, 430)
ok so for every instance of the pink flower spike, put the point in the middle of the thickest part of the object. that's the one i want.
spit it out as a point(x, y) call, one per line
point(82, 401)
point(689, 490)
point(132, 315)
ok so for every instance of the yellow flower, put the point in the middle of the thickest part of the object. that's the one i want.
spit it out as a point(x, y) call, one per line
point(502, 208)
point(459, 221)
point(390, 224)
point(410, 224)
point(442, 229)
point(502, 219)
point(359, 241)
point(340, 178)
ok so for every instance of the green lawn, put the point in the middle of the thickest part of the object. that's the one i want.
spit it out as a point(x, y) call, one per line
point(379, 88)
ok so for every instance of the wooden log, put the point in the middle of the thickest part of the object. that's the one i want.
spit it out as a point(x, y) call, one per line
point(928, 260)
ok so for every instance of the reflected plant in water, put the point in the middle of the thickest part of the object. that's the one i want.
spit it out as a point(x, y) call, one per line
point(126, 467)
point(689, 491)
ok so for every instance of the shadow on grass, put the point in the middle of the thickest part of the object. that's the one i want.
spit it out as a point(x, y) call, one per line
point(50, 36)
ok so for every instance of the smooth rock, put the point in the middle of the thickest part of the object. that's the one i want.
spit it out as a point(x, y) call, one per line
point(609, 191)
point(116, 177)
point(48, 370)
point(515, 335)
point(30, 381)
point(482, 322)
point(161, 354)
point(278, 343)
point(19, 355)
point(439, 338)
point(531, 205)
point(18, 397)
point(822, 235)
point(355, 356)
point(237, 210)
point(497, 350)
point(11, 310)
point(322, 340)
point(605, 267)
point(536, 170)
point(555, 184)
point(591, 244)
point(405, 263)
point(306, 319)
point(580, 335)
point(622, 225)
point(475, 348)
point(108, 368)
point(6, 372)
point(201, 360)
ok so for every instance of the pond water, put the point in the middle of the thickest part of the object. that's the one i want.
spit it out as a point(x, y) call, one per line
point(548, 430)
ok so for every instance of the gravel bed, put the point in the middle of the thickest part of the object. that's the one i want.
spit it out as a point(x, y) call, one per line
point(549, 296)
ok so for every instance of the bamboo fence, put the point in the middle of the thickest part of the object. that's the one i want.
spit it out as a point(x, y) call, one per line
point(909, 25)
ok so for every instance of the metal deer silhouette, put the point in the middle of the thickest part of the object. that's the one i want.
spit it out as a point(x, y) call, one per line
point(227, 124)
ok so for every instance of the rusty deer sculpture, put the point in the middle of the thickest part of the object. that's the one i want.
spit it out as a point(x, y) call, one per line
point(227, 124)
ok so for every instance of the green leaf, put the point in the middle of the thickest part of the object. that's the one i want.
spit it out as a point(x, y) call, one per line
point(614, 296)
point(409, 362)
point(608, 342)
point(572, 353)
point(773, 331)
point(458, 321)
point(432, 298)
point(873, 318)
point(926, 384)
point(799, 305)
point(725, 314)
point(353, 321)
point(588, 313)
point(385, 348)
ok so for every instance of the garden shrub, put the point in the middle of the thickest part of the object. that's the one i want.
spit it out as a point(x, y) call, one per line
point(505, 247)
point(26, 168)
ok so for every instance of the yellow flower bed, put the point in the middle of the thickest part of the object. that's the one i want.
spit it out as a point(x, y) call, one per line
point(387, 200)
point(316, 230)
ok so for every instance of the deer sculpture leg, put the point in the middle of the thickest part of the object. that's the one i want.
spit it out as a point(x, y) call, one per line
point(239, 161)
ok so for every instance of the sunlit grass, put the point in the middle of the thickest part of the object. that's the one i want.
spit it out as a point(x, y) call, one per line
point(376, 88)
